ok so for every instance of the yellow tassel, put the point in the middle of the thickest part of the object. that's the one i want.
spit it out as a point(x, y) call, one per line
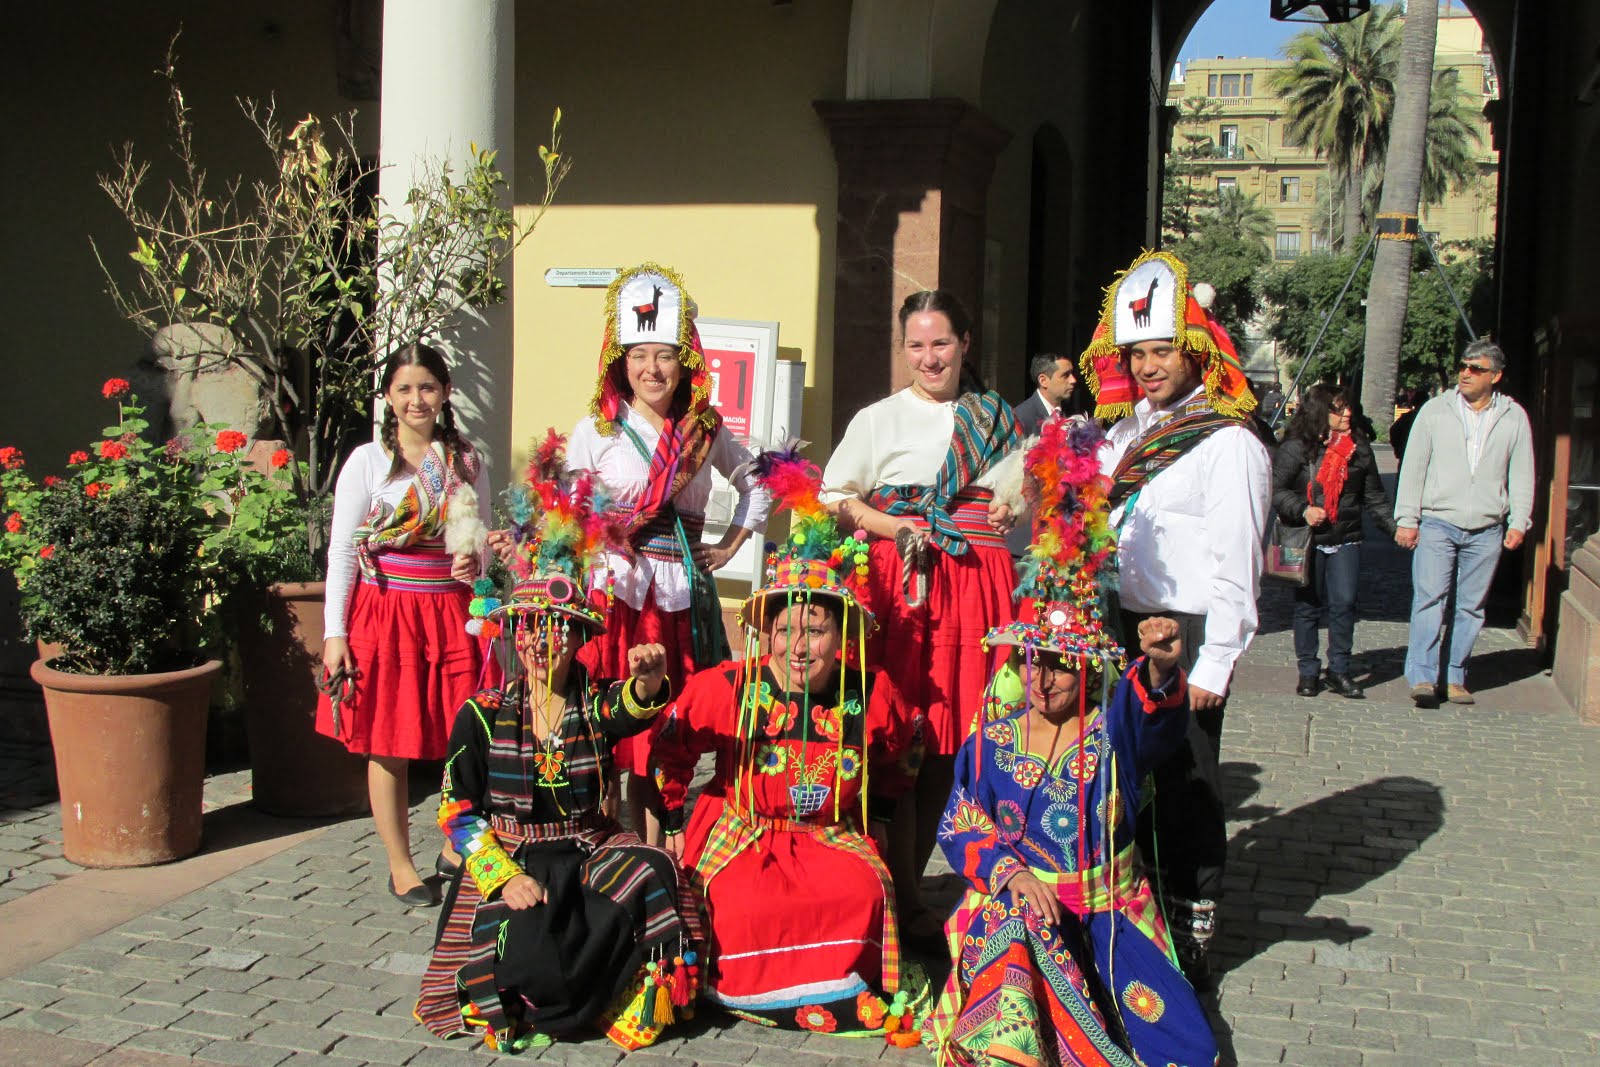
point(663, 1014)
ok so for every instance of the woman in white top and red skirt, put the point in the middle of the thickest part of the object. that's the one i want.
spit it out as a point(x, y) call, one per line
point(398, 658)
point(653, 438)
point(913, 470)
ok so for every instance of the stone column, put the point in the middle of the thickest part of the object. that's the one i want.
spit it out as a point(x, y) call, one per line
point(913, 195)
point(447, 85)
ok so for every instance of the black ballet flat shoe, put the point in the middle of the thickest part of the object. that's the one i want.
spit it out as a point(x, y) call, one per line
point(444, 868)
point(1308, 686)
point(421, 896)
point(1345, 686)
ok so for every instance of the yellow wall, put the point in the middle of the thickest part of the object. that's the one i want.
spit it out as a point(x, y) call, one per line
point(707, 158)
point(64, 108)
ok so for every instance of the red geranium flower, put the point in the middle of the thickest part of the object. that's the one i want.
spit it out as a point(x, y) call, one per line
point(49, 480)
point(113, 450)
point(96, 488)
point(10, 457)
point(78, 457)
point(114, 387)
point(816, 1017)
point(231, 441)
point(47, 551)
point(14, 523)
point(281, 458)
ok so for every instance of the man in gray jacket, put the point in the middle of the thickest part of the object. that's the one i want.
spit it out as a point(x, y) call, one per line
point(1466, 491)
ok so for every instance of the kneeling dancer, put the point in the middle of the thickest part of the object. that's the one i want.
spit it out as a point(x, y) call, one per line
point(1059, 953)
point(800, 906)
point(558, 921)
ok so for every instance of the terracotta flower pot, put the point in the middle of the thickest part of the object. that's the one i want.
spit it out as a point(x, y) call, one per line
point(294, 770)
point(130, 762)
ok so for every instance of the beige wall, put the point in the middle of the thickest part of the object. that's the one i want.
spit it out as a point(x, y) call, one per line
point(707, 157)
point(64, 109)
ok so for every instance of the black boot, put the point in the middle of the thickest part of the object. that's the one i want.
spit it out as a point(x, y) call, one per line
point(1308, 686)
point(1345, 686)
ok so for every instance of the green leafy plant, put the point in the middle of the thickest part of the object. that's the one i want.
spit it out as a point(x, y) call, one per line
point(311, 277)
point(129, 557)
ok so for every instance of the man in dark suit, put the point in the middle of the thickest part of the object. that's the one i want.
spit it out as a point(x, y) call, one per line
point(1055, 380)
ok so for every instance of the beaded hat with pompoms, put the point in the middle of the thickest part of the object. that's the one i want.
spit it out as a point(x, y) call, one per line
point(561, 526)
point(1072, 560)
point(816, 560)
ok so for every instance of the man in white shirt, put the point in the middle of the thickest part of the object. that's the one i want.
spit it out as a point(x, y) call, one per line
point(1190, 488)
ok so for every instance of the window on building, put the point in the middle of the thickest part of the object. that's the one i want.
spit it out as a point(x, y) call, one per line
point(1249, 83)
point(1319, 241)
point(1228, 142)
point(1289, 190)
point(1228, 85)
point(1288, 246)
point(1227, 185)
point(1211, 85)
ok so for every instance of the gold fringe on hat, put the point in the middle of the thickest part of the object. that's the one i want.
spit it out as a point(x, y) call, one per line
point(690, 357)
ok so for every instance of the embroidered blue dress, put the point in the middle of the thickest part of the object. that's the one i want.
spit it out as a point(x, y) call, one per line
point(1102, 987)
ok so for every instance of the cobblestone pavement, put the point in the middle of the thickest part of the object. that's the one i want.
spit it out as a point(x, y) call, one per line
point(1406, 887)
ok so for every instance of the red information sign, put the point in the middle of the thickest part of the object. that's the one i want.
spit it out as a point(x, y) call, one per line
point(733, 384)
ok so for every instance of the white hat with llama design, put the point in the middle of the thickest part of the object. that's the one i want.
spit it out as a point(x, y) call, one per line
point(650, 309)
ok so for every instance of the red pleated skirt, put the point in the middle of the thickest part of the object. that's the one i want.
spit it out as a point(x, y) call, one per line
point(417, 663)
point(934, 652)
point(606, 656)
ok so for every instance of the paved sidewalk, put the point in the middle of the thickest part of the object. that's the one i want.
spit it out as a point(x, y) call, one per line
point(1406, 887)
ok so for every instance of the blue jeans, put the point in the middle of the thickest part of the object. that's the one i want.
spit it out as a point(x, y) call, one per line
point(1446, 554)
point(1332, 587)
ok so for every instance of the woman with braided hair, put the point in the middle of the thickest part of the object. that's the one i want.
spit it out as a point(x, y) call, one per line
point(397, 652)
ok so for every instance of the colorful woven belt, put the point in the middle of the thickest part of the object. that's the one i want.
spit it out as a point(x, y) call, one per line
point(421, 569)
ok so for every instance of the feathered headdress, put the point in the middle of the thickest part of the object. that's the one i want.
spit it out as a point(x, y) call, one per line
point(1072, 560)
point(1152, 301)
point(562, 526)
point(816, 560)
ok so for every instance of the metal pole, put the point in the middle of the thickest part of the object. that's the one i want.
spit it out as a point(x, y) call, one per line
point(1444, 275)
point(1327, 320)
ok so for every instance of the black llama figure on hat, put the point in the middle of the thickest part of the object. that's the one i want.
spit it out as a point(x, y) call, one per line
point(645, 314)
point(1141, 308)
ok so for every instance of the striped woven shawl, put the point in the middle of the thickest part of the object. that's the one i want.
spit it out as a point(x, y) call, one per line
point(1163, 444)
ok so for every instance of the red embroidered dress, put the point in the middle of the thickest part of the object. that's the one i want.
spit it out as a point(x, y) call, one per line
point(801, 912)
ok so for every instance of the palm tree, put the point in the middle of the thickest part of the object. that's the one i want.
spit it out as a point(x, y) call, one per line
point(1391, 267)
point(1339, 92)
point(1450, 160)
point(1241, 215)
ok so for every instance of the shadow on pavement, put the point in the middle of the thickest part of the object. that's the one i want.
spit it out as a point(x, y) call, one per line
point(1488, 670)
point(1280, 866)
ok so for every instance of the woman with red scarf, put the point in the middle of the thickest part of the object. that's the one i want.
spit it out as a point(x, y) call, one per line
point(653, 438)
point(1324, 476)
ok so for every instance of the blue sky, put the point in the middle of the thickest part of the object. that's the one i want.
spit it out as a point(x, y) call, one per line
point(1235, 28)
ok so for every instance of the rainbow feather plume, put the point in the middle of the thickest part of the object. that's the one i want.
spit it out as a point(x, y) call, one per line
point(562, 523)
point(1073, 552)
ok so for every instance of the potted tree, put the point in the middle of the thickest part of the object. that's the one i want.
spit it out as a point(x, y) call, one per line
point(125, 563)
point(305, 281)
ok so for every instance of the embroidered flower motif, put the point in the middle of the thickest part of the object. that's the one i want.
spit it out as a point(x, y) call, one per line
point(114, 387)
point(230, 441)
point(1060, 790)
point(827, 722)
point(772, 759)
point(851, 705)
point(1143, 1001)
point(816, 1017)
point(849, 764)
point(1060, 823)
point(281, 458)
point(870, 1009)
point(1000, 733)
point(1011, 820)
point(781, 716)
point(1083, 764)
point(1028, 772)
point(550, 765)
point(969, 817)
